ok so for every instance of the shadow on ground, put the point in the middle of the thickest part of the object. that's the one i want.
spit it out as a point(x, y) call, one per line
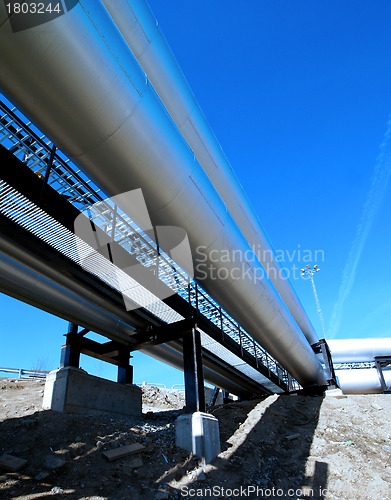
point(265, 445)
point(265, 450)
point(64, 455)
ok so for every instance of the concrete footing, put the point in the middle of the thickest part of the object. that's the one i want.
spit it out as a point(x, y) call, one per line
point(71, 390)
point(198, 432)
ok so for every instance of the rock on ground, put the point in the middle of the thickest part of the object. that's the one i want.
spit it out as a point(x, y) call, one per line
point(341, 449)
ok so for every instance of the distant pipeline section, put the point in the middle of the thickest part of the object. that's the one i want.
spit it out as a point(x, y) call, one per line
point(361, 380)
point(359, 350)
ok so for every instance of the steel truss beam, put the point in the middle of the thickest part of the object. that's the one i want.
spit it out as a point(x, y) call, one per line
point(150, 330)
point(111, 352)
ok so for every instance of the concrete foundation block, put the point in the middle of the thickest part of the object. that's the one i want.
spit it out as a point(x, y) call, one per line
point(71, 390)
point(198, 432)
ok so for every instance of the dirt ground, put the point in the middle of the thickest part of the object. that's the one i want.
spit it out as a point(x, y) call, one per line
point(279, 447)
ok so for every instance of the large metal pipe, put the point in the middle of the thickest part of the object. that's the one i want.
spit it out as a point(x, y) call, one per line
point(171, 353)
point(25, 258)
point(362, 381)
point(358, 350)
point(28, 286)
point(33, 288)
point(88, 93)
point(137, 24)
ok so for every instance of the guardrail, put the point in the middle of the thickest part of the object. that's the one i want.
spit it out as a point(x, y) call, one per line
point(146, 384)
point(22, 373)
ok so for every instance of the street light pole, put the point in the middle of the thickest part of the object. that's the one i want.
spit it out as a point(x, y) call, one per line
point(309, 272)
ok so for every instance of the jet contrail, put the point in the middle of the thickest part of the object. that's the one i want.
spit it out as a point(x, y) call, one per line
point(380, 177)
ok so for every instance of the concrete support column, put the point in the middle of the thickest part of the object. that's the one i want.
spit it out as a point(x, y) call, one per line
point(71, 390)
point(198, 432)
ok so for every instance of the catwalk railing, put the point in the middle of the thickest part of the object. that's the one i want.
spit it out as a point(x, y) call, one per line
point(26, 142)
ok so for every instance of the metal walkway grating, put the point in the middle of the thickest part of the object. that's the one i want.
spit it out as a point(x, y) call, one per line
point(25, 141)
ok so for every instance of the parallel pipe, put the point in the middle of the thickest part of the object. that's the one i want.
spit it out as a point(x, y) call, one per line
point(87, 92)
point(138, 26)
point(28, 286)
point(25, 258)
point(362, 381)
point(171, 353)
point(359, 350)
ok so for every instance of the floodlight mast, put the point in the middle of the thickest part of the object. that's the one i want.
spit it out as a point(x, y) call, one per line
point(309, 272)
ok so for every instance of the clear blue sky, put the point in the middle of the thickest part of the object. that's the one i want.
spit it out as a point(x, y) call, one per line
point(298, 92)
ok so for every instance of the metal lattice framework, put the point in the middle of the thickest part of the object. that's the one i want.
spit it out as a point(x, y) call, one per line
point(27, 143)
point(354, 366)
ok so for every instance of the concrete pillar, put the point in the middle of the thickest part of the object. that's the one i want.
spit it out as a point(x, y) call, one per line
point(198, 432)
point(71, 390)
